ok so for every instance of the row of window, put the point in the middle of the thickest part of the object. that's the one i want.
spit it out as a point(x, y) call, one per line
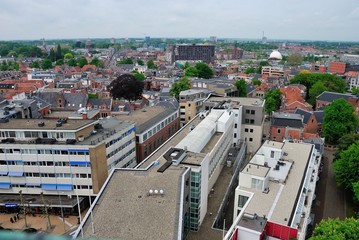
point(249, 121)
point(119, 148)
point(159, 126)
point(110, 143)
point(37, 134)
point(252, 112)
point(58, 175)
point(248, 129)
point(123, 157)
point(44, 151)
point(38, 186)
point(45, 163)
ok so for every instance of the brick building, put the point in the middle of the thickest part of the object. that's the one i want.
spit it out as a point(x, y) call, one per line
point(194, 52)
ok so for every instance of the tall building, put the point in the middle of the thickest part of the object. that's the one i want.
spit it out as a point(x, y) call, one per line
point(275, 192)
point(193, 52)
point(172, 185)
point(62, 157)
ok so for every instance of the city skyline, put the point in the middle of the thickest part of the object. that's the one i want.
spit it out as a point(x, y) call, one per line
point(299, 20)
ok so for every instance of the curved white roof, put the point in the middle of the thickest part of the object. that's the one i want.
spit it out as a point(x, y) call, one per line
point(275, 55)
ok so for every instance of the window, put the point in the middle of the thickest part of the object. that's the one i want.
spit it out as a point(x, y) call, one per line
point(246, 120)
point(253, 112)
point(251, 139)
point(247, 111)
point(251, 130)
point(246, 130)
point(278, 130)
point(257, 184)
point(252, 121)
point(272, 154)
point(235, 135)
point(235, 125)
point(242, 200)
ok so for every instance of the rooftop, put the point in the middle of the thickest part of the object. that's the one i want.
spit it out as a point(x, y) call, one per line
point(49, 124)
point(237, 101)
point(125, 197)
point(279, 203)
point(147, 117)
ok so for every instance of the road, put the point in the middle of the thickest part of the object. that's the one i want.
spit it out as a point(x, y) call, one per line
point(330, 200)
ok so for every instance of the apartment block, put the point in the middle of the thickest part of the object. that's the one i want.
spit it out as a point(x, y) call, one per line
point(193, 52)
point(62, 157)
point(273, 71)
point(275, 192)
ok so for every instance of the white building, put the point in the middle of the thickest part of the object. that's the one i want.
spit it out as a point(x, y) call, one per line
point(69, 158)
point(275, 192)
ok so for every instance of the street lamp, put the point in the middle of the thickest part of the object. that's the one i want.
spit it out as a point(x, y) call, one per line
point(23, 207)
point(62, 212)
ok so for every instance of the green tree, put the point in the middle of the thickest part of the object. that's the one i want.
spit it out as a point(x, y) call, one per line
point(191, 72)
point(317, 89)
point(179, 86)
point(259, 70)
point(46, 64)
point(97, 62)
point(68, 56)
point(82, 62)
point(335, 229)
point(185, 66)
point(151, 64)
point(250, 70)
point(126, 61)
point(126, 86)
point(294, 59)
point(241, 86)
point(355, 90)
point(333, 83)
point(52, 55)
point(204, 71)
point(339, 119)
point(140, 62)
point(58, 53)
point(256, 82)
point(59, 62)
point(346, 167)
point(72, 62)
point(273, 100)
point(139, 76)
point(93, 95)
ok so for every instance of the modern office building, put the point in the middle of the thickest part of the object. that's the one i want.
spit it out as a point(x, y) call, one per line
point(169, 190)
point(275, 192)
point(273, 71)
point(193, 52)
point(62, 157)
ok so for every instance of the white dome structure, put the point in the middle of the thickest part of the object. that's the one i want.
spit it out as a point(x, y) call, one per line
point(275, 55)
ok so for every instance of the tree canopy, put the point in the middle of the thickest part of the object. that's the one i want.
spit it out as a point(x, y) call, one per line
point(346, 167)
point(139, 76)
point(9, 66)
point(151, 64)
point(256, 82)
point(294, 59)
point(82, 62)
point(191, 72)
point(339, 119)
point(204, 71)
point(35, 64)
point(126, 86)
point(179, 86)
point(46, 64)
point(241, 86)
point(273, 100)
point(317, 89)
point(332, 83)
point(126, 61)
point(140, 62)
point(335, 229)
point(250, 70)
point(97, 62)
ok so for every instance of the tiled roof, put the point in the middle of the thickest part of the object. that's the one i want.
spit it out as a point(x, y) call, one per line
point(306, 114)
point(332, 96)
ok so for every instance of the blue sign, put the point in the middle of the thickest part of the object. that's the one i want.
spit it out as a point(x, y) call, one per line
point(11, 205)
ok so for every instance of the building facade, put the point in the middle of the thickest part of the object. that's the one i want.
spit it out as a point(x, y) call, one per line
point(193, 52)
point(62, 157)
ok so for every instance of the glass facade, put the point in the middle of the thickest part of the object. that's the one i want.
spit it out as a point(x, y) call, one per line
point(195, 200)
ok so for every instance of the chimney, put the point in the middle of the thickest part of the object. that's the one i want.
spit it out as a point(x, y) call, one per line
point(84, 115)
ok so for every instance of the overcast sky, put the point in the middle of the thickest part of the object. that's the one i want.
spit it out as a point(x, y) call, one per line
point(279, 19)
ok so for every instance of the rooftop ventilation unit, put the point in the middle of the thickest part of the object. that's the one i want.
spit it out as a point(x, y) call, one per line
point(41, 124)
